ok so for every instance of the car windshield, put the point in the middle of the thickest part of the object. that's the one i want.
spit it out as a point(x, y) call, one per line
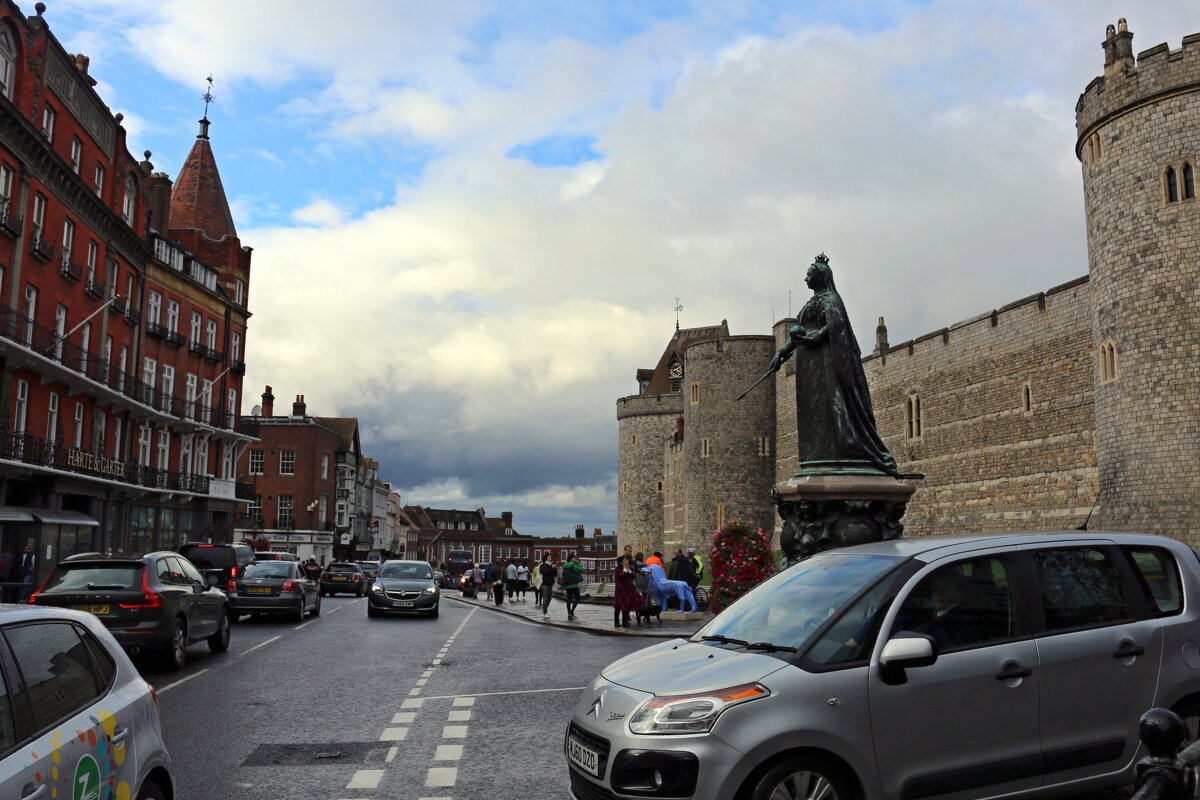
point(345, 568)
point(410, 571)
point(94, 577)
point(268, 569)
point(787, 609)
point(208, 557)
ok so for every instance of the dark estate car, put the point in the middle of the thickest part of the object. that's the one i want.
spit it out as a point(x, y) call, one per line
point(156, 603)
point(274, 587)
point(225, 561)
point(403, 587)
point(343, 576)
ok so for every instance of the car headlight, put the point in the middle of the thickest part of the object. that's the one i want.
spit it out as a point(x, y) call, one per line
point(430, 590)
point(376, 587)
point(691, 713)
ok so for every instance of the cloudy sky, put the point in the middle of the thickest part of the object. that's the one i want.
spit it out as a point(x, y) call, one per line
point(471, 220)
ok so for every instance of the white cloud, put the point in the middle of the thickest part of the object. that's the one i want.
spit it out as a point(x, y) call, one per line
point(320, 213)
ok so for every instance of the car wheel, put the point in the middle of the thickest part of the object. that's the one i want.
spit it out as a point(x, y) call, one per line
point(151, 791)
point(176, 654)
point(316, 612)
point(219, 641)
point(435, 612)
point(299, 615)
point(804, 778)
point(1189, 712)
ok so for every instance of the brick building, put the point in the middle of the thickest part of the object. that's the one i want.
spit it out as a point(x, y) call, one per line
point(118, 431)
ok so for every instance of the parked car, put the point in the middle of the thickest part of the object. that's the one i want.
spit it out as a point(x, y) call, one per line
point(274, 555)
point(467, 586)
point(404, 587)
point(224, 561)
point(157, 603)
point(975, 666)
point(343, 576)
point(439, 578)
point(66, 675)
point(274, 587)
point(370, 570)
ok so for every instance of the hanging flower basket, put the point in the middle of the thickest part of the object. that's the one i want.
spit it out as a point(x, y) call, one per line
point(739, 560)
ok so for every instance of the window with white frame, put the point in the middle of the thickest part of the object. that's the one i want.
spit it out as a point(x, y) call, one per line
point(85, 341)
point(201, 457)
point(239, 296)
point(256, 462)
point(168, 387)
point(99, 180)
point(212, 335)
point(129, 202)
point(287, 462)
point(79, 425)
point(39, 219)
point(149, 371)
point(92, 252)
point(194, 336)
point(6, 176)
point(22, 406)
point(324, 466)
point(231, 406)
point(285, 511)
point(8, 62)
point(60, 330)
point(117, 429)
point(254, 510)
point(185, 454)
point(129, 299)
point(227, 466)
point(144, 435)
point(48, 117)
point(52, 417)
point(206, 401)
point(76, 155)
point(164, 449)
point(30, 311)
point(189, 399)
point(99, 423)
point(68, 241)
point(172, 315)
point(122, 366)
point(154, 308)
point(322, 508)
point(235, 347)
point(341, 515)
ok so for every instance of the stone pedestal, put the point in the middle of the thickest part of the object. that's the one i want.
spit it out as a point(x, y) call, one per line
point(821, 512)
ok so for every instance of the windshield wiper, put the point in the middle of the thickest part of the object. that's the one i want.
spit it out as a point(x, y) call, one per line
point(771, 647)
point(723, 640)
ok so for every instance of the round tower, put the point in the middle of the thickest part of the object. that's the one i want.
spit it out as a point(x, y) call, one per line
point(728, 446)
point(1139, 143)
point(644, 424)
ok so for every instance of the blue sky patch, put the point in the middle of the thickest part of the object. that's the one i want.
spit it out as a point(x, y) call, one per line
point(558, 150)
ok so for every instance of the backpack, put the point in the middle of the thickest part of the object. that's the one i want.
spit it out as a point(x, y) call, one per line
point(570, 575)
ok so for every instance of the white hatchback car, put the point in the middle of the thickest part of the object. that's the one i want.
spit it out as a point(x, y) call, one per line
point(76, 718)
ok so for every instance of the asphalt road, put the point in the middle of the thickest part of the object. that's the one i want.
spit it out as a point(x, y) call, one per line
point(343, 706)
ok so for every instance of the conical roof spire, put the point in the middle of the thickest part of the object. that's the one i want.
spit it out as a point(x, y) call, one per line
point(198, 200)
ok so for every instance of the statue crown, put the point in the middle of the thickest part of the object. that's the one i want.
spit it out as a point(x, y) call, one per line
point(823, 259)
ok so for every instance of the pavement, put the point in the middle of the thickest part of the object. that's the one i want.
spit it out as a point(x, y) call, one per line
point(593, 618)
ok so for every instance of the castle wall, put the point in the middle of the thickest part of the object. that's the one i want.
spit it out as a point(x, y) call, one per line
point(644, 423)
point(1144, 259)
point(989, 463)
point(728, 445)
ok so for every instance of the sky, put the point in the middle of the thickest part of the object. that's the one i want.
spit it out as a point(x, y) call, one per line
point(472, 221)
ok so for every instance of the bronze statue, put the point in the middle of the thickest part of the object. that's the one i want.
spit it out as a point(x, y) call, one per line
point(835, 423)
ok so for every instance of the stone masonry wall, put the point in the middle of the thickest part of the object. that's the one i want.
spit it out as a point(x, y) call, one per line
point(644, 423)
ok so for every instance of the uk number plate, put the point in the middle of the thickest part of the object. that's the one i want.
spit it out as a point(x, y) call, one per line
point(259, 589)
point(583, 757)
point(339, 577)
point(95, 609)
point(404, 603)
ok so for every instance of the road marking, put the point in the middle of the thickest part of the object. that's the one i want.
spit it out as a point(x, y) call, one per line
point(459, 716)
point(339, 608)
point(496, 694)
point(413, 692)
point(454, 731)
point(393, 734)
point(426, 673)
point(171, 686)
point(441, 776)
point(464, 701)
point(448, 752)
point(404, 718)
point(305, 624)
point(410, 703)
point(260, 644)
point(422, 681)
point(367, 779)
point(391, 754)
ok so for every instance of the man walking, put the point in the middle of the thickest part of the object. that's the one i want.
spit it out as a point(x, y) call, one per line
point(510, 580)
point(572, 577)
point(26, 566)
point(548, 573)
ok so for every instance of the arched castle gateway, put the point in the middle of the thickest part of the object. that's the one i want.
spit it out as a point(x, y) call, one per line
point(1078, 403)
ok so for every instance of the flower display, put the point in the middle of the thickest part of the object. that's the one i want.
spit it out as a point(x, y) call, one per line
point(738, 560)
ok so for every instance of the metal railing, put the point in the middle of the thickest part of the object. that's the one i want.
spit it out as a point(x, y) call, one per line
point(244, 491)
point(69, 269)
point(39, 247)
point(1169, 772)
point(10, 222)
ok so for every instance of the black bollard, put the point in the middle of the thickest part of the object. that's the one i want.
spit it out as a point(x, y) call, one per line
point(1161, 775)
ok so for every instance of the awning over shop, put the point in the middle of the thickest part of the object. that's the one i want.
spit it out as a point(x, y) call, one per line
point(46, 516)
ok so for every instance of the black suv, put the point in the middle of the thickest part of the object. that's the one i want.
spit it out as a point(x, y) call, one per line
point(223, 560)
point(156, 603)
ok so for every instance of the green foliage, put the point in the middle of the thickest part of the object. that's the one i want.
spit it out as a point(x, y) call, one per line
point(739, 559)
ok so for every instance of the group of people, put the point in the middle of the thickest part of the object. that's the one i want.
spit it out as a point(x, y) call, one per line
point(637, 577)
point(16, 575)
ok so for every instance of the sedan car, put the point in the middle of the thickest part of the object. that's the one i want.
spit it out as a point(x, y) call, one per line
point(157, 603)
point(65, 674)
point(962, 667)
point(403, 587)
point(343, 576)
point(274, 587)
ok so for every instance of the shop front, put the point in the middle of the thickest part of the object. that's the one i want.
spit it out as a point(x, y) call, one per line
point(33, 540)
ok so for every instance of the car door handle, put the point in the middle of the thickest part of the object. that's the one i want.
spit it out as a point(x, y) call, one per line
point(1128, 649)
point(1012, 670)
point(119, 736)
point(37, 793)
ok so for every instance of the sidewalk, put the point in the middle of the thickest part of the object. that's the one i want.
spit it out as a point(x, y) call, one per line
point(590, 618)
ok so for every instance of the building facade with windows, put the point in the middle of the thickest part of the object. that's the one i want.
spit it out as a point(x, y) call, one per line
point(97, 425)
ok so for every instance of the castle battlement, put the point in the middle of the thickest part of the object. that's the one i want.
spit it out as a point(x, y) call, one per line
point(1128, 83)
point(644, 405)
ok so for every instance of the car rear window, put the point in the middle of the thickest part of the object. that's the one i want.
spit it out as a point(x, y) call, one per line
point(94, 577)
point(269, 569)
point(344, 568)
point(208, 557)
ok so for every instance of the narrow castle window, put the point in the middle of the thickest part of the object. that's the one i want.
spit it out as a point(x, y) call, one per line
point(913, 421)
point(705, 448)
point(1027, 399)
point(720, 515)
point(1172, 185)
point(1108, 362)
point(764, 445)
point(634, 439)
point(660, 487)
point(624, 488)
point(1189, 184)
point(695, 392)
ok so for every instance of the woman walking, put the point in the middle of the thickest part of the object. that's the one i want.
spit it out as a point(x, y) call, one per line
point(626, 600)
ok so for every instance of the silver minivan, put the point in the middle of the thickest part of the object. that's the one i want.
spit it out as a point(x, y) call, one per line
point(954, 668)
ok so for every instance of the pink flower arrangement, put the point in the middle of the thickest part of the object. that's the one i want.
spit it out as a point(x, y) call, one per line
point(739, 560)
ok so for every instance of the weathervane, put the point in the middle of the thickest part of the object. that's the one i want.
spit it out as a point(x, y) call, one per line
point(678, 308)
point(207, 97)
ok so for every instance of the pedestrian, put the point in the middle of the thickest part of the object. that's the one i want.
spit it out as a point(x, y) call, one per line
point(477, 579)
point(698, 567)
point(547, 572)
point(572, 578)
point(523, 579)
point(510, 579)
point(25, 570)
point(655, 558)
point(488, 572)
point(626, 599)
point(498, 592)
point(639, 561)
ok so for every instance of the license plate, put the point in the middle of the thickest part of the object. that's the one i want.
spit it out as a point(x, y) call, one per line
point(92, 609)
point(339, 577)
point(584, 757)
point(258, 589)
point(404, 603)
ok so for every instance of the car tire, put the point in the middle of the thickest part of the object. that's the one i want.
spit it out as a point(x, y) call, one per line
point(316, 612)
point(300, 614)
point(176, 655)
point(435, 612)
point(151, 791)
point(804, 778)
point(219, 641)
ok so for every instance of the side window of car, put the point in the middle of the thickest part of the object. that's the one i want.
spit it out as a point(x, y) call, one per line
point(163, 570)
point(1081, 587)
point(57, 670)
point(103, 665)
point(8, 730)
point(190, 575)
point(1158, 575)
point(966, 604)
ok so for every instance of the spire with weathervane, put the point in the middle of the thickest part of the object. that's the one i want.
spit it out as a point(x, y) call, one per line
point(198, 199)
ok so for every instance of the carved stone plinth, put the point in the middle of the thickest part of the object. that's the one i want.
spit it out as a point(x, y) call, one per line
point(821, 512)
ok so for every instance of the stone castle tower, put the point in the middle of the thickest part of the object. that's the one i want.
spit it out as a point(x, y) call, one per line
point(1139, 143)
point(689, 456)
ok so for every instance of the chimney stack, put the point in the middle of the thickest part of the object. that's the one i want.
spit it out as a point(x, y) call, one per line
point(1118, 48)
point(596, 532)
point(268, 403)
point(881, 342)
point(299, 407)
point(578, 531)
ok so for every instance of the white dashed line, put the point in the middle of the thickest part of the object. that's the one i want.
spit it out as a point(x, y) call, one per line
point(393, 734)
point(171, 686)
point(404, 718)
point(454, 731)
point(411, 703)
point(391, 754)
point(448, 752)
point(441, 776)
point(459, 716)
point(422, 681)
point(497, 694)
point(260, 644)
point(413, 692)
point(464, 701)
point(367, 779)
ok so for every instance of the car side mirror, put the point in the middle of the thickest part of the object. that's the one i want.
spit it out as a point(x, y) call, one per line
point(903, 651)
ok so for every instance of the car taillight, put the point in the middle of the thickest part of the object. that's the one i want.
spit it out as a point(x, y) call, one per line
point(33, 597)
point(356, 578)
point(231, 586)
point(150, 598)
point(154, 697)
point(233, 571)
point(289, 585)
